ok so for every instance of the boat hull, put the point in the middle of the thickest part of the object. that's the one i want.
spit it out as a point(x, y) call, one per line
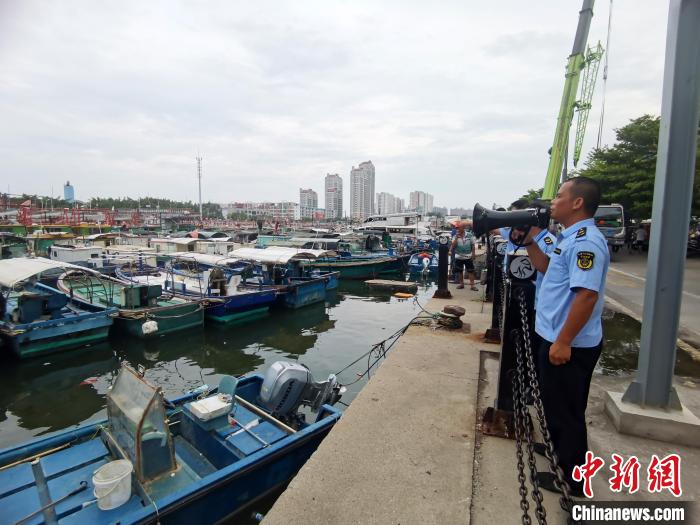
point(239, 308)
point(365, 268)
point(37, 339)
point(215, 481)
point(169, 319)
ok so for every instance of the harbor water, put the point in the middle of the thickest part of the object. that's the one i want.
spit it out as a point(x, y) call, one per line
point(64, 389)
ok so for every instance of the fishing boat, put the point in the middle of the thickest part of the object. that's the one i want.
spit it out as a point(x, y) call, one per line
point(423, 262)
point(12, 245)
point(284, 268)
point(196, 459)
point(359, 266)
point(220, 281)
point(143, 310)
point(37, 319)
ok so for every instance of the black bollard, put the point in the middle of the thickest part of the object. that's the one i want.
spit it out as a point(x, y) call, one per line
point(498, 420)
point(496, 278)
point(443, 264)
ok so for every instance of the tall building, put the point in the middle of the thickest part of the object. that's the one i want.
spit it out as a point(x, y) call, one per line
point(362, 190)
point(334, 196)
point(68, 193)
point(280, 211)
point(400, 205)
point(388, 203)
point(308, 203)
point(440, 209)
point(462, 212)
point(421, 201)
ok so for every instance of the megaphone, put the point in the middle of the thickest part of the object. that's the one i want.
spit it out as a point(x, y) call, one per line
point(486, 220)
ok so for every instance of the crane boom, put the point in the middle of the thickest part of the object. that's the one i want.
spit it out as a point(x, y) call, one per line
point(575, 64)
point(583, 106)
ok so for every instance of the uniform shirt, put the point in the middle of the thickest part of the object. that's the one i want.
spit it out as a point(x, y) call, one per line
point(579, 260)
point(546, 242)
point(510, 247)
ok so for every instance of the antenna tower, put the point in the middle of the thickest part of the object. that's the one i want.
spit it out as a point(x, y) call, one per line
point(199, 179)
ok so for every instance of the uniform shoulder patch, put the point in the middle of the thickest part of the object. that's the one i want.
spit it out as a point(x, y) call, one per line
point(548, 240)
point(581, 232)
point(584, 260)
point(557, 251)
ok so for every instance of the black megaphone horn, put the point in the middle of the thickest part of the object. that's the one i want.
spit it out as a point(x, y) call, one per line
point(486, 220)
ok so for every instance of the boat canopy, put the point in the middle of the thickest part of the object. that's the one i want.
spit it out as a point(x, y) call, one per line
point(279, 254)
point(205, 258)
point(19, 269)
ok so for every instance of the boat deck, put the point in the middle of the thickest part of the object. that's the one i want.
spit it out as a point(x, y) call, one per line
point(219, 444)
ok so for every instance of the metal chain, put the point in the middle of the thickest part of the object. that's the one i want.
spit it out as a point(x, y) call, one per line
point(565, 501)
point(519, 424)
point(500, 290)
point(523, 418)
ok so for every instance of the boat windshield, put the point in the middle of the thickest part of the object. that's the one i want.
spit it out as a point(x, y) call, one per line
point(137, 422)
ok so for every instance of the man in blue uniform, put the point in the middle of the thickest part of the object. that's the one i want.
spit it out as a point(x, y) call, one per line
point(568, 321)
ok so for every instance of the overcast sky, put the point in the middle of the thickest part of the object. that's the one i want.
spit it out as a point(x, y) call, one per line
point(455, 98)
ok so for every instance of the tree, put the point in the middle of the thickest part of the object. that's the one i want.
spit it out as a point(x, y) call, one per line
point(626, 170)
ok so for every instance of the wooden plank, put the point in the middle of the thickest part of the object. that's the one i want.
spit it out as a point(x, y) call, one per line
point(386, 284)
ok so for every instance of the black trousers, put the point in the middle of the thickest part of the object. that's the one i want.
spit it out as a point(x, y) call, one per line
point(564, 391)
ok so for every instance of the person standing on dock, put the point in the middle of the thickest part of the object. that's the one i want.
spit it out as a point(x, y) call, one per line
point(568, 321)
point(464, 249)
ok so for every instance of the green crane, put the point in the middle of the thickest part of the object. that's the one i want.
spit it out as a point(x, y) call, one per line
point(579, 61)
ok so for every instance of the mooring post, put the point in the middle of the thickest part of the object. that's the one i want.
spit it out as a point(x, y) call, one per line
point(498, 419)
point(443, 264)
point(493, 334)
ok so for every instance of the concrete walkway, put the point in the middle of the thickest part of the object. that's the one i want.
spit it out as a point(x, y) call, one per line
point(408, 450)
point(403, 451)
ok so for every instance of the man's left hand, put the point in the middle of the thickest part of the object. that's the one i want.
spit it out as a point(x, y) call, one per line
point(559, 353)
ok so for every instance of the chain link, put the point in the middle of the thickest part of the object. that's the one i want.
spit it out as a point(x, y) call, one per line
point(523, 423)
point(565, 501)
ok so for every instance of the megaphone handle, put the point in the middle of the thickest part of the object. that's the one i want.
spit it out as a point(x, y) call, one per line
point(517, 241)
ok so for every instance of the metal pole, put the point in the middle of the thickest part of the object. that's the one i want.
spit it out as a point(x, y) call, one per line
point(443, 292)
point(673, 189)
point(199, 178)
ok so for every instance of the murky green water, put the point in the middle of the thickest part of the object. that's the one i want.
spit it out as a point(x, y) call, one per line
point(57, 391)
point(621, 348)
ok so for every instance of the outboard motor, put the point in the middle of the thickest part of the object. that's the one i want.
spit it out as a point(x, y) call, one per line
point(287, 386)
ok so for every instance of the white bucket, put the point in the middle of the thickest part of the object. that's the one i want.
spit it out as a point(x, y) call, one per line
point(113, 484)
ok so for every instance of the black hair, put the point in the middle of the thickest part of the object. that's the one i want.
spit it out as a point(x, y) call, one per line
point(520, 204)
point(589, 190)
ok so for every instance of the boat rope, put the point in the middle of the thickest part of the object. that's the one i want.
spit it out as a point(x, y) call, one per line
point(380, 349)
point(200, 307)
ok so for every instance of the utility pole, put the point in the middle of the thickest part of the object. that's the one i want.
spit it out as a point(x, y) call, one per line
point(199, 179)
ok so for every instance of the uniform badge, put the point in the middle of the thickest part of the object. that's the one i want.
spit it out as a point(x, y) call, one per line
point(581, 232)
point(548, 240)
point(584, 260)
point(557, 251)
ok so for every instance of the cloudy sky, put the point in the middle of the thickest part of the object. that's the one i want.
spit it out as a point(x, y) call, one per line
point(456, 98)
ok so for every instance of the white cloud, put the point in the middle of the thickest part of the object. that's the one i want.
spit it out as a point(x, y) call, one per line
point(459, 99)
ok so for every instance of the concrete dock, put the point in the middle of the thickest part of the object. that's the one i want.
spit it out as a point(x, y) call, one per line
point(408, 449)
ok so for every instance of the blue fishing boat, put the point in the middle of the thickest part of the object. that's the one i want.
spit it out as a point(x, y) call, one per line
point(196, 459)
point(222, 282)
point(284, 268)
point(423, 262)
point(37, 319)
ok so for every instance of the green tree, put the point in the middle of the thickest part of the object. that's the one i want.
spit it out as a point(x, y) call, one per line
point(626, 170)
